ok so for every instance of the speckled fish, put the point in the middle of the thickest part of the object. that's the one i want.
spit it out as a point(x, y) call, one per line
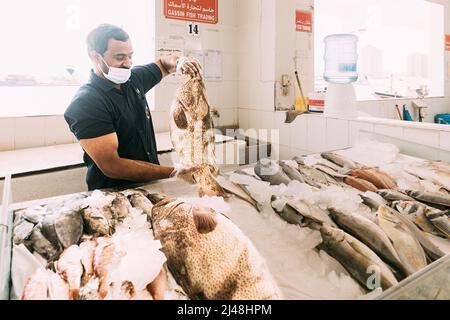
point(68, 227)
point(360, 184)
point(429, 197)
point(192, 135)
point(314, 177)
point(358, 259)
point(369, 233)
point(380, 179)
point(408, 248)
point(208, 255)
point(341, 161)
point(270, 171)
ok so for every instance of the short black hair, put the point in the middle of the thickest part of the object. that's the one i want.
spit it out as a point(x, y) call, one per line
point(98, 38)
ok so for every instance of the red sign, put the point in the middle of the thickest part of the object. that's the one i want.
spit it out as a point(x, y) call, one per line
point(447, 42)
point(303, 21)
point(205, 11)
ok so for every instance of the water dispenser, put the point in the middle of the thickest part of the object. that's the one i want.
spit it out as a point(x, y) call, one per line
point(340, 72)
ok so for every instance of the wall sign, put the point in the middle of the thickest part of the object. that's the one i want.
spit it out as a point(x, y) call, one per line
point(447, 42)
point(303, 21)
point(205, 11)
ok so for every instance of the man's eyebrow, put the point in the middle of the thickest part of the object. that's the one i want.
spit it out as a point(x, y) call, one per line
point(123, 54)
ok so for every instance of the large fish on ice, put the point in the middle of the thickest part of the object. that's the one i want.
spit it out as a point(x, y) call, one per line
point(208, 255)
point(192, 135)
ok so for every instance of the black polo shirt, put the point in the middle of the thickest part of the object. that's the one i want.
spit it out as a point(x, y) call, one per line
point(99, 109)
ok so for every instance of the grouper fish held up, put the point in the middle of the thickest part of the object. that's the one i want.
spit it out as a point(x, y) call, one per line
point(192, 135)
point(213, 261)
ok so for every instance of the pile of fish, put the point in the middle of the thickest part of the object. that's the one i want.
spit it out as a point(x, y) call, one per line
point(388, 235)
point(100, 248)
point(123, 246)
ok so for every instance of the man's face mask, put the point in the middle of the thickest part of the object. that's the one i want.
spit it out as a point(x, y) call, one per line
point(116, 75)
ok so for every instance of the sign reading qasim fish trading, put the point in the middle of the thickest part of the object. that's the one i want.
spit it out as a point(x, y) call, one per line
point(205, 11)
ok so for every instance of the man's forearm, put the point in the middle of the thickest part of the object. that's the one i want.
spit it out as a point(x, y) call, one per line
point(138, 171)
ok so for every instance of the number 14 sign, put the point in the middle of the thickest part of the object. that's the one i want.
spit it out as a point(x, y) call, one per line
point(193, 29)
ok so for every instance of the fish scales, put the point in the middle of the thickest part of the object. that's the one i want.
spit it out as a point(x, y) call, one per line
point(192, 135)
point(220, 265)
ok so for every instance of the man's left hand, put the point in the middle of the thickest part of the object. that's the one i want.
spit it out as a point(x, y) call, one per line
point(189, 66)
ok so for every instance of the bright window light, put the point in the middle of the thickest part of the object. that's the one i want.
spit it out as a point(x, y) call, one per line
point(44, 58)
point(400, 47)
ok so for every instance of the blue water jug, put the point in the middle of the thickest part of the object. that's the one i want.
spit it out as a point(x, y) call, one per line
point(341, 58)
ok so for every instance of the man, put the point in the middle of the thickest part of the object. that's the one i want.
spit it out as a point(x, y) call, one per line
point(110, 116)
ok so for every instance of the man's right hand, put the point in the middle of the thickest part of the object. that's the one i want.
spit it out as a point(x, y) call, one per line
point(186, 174)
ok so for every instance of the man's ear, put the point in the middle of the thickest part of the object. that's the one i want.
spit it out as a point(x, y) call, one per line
point(94, 56)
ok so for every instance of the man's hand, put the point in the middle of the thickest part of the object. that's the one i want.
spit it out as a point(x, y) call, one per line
point(185, 174)
point(189, 66)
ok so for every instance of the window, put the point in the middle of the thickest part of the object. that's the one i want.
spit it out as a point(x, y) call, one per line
point(400, 47)
point(43, 57)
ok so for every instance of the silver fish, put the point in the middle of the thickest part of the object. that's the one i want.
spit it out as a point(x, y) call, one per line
point(429, 197)
point(239, 191)
point(69, 228)
point(340, 160)
point(311, 213)
point(408, 248)
point(415, 211)
point(22, 231)
point(292, 172)
point(41, 245)
point(313, 177)
point(289, 214)
point(356, 257)
point(120, 207)
point(433, 252)
point(441, 221)
point(369, 233)
point(394, 195)
point(139, 200)
point(271, 172)
point(98, 221)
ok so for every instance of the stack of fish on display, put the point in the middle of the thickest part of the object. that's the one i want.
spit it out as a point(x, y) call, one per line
point(398, 237)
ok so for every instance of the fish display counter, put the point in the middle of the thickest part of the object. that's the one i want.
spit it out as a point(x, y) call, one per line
point(362, 223)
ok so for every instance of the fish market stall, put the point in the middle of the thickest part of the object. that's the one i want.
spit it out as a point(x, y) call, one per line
point(312, 219)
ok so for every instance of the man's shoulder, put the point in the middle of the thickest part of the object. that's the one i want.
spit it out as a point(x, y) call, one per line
point(86, 97)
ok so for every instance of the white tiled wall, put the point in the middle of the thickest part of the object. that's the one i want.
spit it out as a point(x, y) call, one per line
point(6, 134)
point(223, 94)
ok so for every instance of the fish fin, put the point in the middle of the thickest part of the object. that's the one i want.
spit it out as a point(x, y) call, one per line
point(205, 219)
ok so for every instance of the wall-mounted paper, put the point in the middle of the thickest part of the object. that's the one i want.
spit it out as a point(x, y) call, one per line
point(213, 65)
